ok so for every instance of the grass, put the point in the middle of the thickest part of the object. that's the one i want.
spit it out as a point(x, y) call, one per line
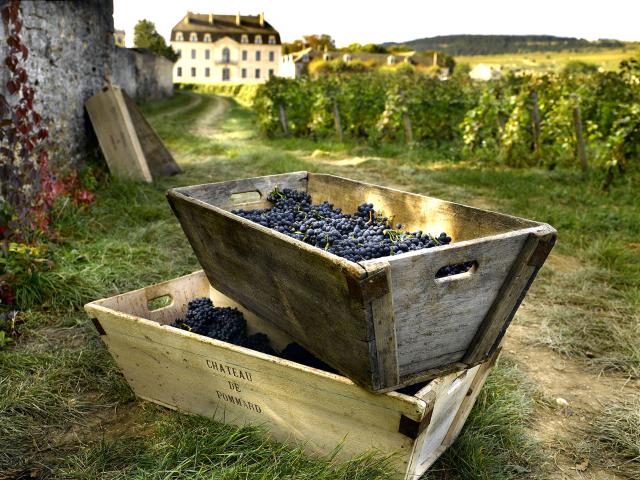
point(58, 379)
point(606, 59)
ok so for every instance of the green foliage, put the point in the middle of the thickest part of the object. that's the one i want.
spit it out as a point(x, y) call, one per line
point(146, 36)
point(578, 67)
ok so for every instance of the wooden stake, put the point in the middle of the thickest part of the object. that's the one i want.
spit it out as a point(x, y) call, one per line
point(336, 120)
point(283, 119)
point(535, 124)
point(580, 143)
point(408, 130)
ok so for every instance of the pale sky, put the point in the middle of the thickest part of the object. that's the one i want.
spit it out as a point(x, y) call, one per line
point(376, 21)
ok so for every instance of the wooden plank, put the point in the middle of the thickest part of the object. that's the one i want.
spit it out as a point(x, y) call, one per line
point(383, 348)
point(450, 392)
point(509, 297)
point(116, 135)
point(158, 158)
point(470, 399)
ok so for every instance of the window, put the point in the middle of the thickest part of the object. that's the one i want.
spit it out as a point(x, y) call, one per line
point(193, 53)
point(207, 37)
point(179, 71)
point(270, 72)
point(179, 53)
point(272, 40)
point(258, 55)
point(245, 54)
point(207, 71)
point(244, 73)
point(272, 56)
point(206, 54)
point(225, 55)
point(193, 71)
point(226, 74)
point(179, 37)
point(244, 39)
point(257, 73)
point(193, 37)
point(258, 39)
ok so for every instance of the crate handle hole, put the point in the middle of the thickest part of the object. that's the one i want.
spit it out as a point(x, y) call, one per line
point(159, 302)
point(245, 197)
point(456, 271)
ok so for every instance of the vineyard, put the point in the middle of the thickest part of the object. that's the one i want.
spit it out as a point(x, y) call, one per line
point(578, 120)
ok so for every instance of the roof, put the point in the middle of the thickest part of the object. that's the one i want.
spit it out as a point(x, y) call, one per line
point(377, 58)
point(219, 26)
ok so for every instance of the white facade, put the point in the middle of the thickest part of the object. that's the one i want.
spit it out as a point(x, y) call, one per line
point(238, 58)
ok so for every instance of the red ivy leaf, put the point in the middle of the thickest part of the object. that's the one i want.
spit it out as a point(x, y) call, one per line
point(43, 133)
point(25, 51)
point(17, 26)
point(13, 87)
point(24, 128)
point(22, 74)
point(11, 62)
point(35, 116)
point(14, 41)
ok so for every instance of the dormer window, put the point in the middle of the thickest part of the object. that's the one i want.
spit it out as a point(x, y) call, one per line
point(193, 37)
point(325, 56)
point(244, 39)
point(258, 39)
point(391, 60)
point(272, 40)
point(346, 58)
point(207, 37)
point(179, 37)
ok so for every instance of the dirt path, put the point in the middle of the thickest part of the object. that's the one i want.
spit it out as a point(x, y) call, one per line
point(208, 124)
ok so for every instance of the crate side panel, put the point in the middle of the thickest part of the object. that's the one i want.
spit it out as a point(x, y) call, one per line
point(304, 293)
point(413, 211)
point(437, 319)
point(237, 388)
point(450, 394)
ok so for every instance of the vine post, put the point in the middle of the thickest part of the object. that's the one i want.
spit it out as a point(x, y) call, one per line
point(283, 119)
point(580, 143)
point(336, 120)
point(535, 124)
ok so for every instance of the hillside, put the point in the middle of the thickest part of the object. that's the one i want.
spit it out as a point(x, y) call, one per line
point(497, 44)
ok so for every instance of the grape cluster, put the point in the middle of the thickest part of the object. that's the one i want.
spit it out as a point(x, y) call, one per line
point(363, 235)
point(222, 323)
point(228, 324)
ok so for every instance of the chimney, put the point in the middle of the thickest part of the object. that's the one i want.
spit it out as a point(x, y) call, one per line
point(435, 59)
point(238, 19)
point(261, 17)
point(186, 18)
point(211, 18)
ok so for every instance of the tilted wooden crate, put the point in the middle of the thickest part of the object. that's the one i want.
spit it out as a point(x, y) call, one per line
point(196, 374)
point(384, 323)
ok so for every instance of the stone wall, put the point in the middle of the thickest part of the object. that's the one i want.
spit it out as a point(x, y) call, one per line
point(71, 49)
point(142, 74)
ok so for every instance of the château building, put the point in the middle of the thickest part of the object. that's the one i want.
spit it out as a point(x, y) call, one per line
point(225, 48)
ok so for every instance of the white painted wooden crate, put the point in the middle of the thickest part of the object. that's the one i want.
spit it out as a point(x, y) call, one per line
point(298, 404)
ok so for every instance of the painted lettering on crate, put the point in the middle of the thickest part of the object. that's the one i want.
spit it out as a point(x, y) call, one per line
point(239, 402)
point(227, 370)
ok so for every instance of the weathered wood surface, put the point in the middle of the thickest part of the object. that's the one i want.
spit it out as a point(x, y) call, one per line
point(158, 158)
point(295, 403)
point(131, 147)
point(384, 323)
point(116, 135)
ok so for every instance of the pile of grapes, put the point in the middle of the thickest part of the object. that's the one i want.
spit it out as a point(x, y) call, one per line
point(229, 325)
point(363, 235)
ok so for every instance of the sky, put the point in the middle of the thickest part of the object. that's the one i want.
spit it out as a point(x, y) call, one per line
point(377, 21)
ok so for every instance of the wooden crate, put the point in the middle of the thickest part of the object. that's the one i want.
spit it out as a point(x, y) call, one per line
point(383, 323)
point(320, 410)
point(130, 145)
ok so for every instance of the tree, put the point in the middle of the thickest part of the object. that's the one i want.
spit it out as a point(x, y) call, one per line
point(319, 42)
point(146, 36)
